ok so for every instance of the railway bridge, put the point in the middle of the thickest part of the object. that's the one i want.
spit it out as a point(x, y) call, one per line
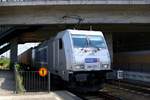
point(35, 20)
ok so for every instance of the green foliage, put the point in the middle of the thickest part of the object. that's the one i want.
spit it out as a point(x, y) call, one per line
point(18, 67)
point(19, 79)
point(4, 63)
point(20, 86)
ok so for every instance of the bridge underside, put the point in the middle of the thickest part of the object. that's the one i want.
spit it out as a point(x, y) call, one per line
point(122, 37)
point(38, 33)
point(70, 14)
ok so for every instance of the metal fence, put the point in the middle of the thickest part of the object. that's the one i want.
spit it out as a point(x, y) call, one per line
point(31, 81)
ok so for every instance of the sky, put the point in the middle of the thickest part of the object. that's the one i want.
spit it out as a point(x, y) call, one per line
point(24, 47)
point(21, 48)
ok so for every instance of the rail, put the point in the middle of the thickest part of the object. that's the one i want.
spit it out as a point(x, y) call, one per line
point(128, 86)
point(30, 81)
point(97, 96)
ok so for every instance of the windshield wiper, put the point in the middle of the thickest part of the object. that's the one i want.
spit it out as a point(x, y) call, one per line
point(96, 47)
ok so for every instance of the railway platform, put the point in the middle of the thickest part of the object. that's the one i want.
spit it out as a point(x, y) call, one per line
point(7, 91)
point(7, 82)
point(57, 95)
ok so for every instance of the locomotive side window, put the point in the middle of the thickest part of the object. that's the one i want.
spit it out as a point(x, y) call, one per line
point(42, 54)
point(45, 55)
point(38, 56)
point(60, 44)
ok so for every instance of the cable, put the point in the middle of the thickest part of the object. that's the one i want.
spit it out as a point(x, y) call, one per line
point(74, 17)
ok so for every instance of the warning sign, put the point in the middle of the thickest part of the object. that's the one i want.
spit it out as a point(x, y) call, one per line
point(43, 72)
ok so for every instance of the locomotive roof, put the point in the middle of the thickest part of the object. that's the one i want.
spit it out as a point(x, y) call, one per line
point(85, 32)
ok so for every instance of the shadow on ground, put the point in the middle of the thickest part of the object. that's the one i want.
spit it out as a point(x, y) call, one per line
point(7, 82)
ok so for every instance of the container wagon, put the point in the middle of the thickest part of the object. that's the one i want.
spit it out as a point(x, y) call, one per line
point(26, 57)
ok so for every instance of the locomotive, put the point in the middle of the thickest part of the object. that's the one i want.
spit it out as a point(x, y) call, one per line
point(78, 57)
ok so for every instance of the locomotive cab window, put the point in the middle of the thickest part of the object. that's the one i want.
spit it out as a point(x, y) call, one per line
point(60, 44)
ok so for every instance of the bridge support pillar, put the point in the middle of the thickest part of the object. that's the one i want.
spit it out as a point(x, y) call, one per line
point(109, 41)
point(13, 53)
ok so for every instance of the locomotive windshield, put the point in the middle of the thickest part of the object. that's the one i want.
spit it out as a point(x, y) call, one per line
point(82, 41)
point(96, 41)
point(79, 41)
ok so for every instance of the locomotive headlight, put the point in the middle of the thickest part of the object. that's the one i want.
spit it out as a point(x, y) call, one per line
point(79, 67)
point(105, 66)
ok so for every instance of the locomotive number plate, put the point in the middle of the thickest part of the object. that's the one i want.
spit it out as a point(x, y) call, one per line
point(90, 60)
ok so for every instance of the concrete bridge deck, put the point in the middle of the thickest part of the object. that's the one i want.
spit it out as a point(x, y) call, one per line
point(70, 2)
point(67, 11)
point(31, 15)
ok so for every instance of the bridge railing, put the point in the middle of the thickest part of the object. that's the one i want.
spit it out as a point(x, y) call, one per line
point(32, 0)
point(62, 0)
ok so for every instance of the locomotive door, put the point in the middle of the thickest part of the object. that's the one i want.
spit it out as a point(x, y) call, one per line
point(56, 55)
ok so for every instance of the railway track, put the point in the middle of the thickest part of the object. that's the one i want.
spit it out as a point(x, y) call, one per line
point(115, 91)
point(138, 91)
point(100, 95)
point(131, 87)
